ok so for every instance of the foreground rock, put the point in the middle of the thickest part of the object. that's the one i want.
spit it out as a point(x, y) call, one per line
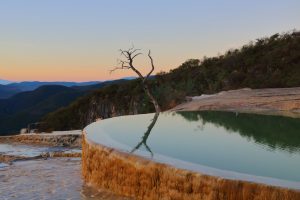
point(55, 178)
point(13, 158)
point(281, 101)
point(62, 138)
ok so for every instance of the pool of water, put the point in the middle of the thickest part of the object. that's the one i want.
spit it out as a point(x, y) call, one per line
point(261, 148)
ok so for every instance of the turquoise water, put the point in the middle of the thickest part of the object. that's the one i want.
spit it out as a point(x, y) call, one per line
point(252, 144)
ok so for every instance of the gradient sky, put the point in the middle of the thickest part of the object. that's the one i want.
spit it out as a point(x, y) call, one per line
point(78, 40)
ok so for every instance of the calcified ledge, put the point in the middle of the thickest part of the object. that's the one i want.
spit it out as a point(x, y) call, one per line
point(141, 178)
point(58, 138)
point(274, 101)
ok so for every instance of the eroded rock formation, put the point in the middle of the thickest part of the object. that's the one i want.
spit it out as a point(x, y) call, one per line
point(50, 139)
point(282, 101)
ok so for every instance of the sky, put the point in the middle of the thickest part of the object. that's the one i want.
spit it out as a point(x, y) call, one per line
point(78, 40)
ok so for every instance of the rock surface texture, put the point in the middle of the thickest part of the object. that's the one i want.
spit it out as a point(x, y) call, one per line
point(282, 101)
point(63, 138)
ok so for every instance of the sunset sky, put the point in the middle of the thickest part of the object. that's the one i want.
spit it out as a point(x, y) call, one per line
point(78, 40)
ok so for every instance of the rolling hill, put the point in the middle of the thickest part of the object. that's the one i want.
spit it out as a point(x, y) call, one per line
point(11, 89)
point(8, 91)
point(23, 108)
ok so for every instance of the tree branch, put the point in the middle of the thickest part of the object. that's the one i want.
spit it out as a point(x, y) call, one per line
point(136, 55)
point(117, 68)
point(130, 55)
point(152, 65)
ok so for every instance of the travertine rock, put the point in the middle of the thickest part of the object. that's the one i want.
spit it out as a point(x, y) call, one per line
point(282, 101)
point(51, 139)
point(134, 176)
point(137, 177)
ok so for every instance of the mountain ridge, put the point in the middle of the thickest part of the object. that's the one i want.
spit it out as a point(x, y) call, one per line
point(27, 107)
point(11, 89)
point(4, 82)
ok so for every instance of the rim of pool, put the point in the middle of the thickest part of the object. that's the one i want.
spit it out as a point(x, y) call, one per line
point(218, 138)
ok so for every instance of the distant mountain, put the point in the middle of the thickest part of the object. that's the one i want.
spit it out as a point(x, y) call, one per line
point(32, 85)
point(130, 78)
point(4, 82)
point(27, 107)
point(8, 91)
point(26, 100)
point(99, 85)
point(11, 89)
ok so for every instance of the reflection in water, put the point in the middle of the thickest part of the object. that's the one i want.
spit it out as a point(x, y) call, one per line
point(276, 132)
point(146, 135)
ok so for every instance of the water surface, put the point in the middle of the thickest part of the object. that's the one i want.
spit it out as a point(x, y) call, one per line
point(250, 144)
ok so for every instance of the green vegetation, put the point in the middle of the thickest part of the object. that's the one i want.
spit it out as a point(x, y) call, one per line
point(267, 63)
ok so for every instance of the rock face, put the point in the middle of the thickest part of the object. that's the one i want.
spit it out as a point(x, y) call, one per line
point(89, 109)
point(282, 101)
point(69, 139)
point(107, 109)
point(133, 176)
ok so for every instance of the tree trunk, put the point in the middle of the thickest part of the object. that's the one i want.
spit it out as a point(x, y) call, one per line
point(152, 99)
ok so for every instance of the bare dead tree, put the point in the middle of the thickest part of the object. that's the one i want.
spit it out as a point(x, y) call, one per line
point(129, 56)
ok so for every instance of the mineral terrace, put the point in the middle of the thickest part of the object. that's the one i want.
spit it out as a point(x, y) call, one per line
point(138, 177)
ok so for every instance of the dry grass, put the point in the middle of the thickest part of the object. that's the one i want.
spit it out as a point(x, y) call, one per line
point(137, 177)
